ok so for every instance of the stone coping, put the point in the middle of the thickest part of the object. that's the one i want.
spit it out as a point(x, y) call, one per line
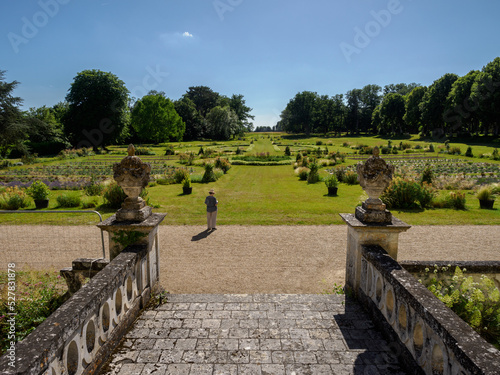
point(471, 350)
point(151, 222)
point(46, 343)
point(351, 220)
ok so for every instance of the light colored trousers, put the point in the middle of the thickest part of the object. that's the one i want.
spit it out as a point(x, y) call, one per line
point(211, 219)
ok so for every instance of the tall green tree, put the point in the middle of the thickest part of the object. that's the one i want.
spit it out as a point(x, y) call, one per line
point(43, 125)
point(12, 126)
point(237, 104)
point(324, 114)
point(461, 113)
point(486, 92)
point(222, 123)
point(400, 88)
point(413, 113)
point(155, 119)
point(392, 111)
point(353, 98)
point(98, 113)
point(300, 113)
point(369, 99)
point(204, 98)
point(433, 105)
point(196, 127)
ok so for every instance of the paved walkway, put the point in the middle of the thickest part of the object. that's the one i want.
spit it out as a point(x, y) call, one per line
point(254, 334)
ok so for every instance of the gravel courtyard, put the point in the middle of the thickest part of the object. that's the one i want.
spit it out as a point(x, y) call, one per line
point(246, 259)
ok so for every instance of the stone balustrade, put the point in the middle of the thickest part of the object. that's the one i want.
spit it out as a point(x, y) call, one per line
point(79, 336)
point(425, 330)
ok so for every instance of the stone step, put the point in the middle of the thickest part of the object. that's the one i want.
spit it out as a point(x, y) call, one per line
point(254, 334)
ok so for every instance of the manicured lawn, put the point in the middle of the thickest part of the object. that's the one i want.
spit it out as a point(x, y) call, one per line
point(262, 195)
point(274, 196)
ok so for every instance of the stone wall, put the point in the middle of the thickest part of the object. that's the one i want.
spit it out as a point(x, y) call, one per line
point(78, 337)
point(427, 332)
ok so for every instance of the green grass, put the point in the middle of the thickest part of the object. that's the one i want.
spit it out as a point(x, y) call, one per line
point(37, 294)
point(267, 195)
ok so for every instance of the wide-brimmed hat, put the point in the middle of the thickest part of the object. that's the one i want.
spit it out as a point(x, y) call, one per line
point(212, 191)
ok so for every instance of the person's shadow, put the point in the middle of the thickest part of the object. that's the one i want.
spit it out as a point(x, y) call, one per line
point(201, 235)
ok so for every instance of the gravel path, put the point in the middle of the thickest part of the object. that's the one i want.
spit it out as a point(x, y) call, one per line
point(246, 259)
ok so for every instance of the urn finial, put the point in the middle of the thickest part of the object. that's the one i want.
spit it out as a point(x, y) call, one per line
point(131, 150)
point(132, 175)
point(374, 176)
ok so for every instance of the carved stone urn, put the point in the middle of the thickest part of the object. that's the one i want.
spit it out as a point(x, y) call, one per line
point(132, 175)
point(374, 177)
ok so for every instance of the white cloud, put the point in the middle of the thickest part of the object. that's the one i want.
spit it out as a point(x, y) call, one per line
point(173, 39)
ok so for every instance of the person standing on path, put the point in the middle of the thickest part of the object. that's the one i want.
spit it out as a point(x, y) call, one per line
point(211, 203)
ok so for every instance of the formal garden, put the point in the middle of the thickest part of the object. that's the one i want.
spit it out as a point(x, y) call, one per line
point(268, 179)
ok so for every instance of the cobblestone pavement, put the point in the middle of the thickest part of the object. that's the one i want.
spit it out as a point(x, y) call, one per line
point(254, 334)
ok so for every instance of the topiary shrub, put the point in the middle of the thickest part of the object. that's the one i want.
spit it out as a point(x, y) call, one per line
point(469, 153)
point(169, 150)
point(209, 175)
point(313, 176)
point(427, 175)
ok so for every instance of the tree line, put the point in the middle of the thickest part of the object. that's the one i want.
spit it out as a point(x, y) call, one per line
point(98, 111)
point(452, 105)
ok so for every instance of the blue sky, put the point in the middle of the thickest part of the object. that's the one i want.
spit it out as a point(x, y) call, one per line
point(267, 50)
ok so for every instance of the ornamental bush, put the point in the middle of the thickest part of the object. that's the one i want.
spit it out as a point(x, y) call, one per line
point(114, 195)
point(38, 191)
point(477, 303)
point(223, 164)
point(13, 198)
point(302, 172)
point(180, 174)
point(350, 178)
point(405, 193)
point(71, 199)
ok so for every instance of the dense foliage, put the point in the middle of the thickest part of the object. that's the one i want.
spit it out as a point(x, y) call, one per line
point(98, 113)
point(452, 105)
point(155, 120)
point(476, 302)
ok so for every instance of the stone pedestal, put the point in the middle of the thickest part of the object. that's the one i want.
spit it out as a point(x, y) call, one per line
point(133, 209)
point(373, 213)
point(145, 233)
point(359, 234)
